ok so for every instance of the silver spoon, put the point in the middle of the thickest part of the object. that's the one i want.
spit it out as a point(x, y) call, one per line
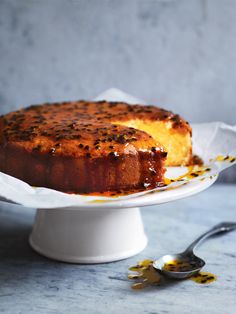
point(192, 264)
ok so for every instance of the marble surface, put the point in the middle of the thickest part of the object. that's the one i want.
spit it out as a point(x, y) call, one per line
point(30, 283)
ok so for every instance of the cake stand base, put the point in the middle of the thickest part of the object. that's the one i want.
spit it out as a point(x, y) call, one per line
point(88, 236)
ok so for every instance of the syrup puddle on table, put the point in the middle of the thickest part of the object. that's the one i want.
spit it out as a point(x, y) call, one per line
point(147, 276)
point(203, 277)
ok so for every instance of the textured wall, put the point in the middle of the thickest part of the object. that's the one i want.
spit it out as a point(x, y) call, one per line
point(178, 54)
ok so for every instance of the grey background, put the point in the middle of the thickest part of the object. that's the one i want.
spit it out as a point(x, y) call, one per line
point(180, 54)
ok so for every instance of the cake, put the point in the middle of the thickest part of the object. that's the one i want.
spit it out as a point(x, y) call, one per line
point(85, 147)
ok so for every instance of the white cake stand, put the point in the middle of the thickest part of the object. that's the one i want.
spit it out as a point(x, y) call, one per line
point(100, 232)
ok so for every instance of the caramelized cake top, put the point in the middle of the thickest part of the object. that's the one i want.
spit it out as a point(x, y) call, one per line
point(83, 128)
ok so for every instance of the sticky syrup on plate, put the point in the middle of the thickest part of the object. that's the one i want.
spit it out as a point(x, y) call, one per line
point(227, 158)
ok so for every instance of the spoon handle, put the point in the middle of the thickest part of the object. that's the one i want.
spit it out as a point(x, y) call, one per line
point(220, 228)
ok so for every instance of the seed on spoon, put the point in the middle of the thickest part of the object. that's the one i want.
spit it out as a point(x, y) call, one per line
point(178, 266)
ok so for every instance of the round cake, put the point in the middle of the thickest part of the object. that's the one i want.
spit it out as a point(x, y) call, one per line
point(85, 147)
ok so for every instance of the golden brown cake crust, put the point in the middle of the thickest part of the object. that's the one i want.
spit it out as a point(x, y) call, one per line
point(75, 147)
point(83, 119)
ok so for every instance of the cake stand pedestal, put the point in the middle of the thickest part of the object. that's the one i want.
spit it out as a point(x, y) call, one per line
point(99, 232)
point(81, 229)
point(88, 236)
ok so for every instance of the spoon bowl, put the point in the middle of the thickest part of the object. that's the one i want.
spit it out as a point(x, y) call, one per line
point(187, 264)
point(179, 266)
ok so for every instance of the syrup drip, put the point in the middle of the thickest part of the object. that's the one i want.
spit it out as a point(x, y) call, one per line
point(148, 276)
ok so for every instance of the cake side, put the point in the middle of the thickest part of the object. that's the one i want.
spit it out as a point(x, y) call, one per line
point(81, 174)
